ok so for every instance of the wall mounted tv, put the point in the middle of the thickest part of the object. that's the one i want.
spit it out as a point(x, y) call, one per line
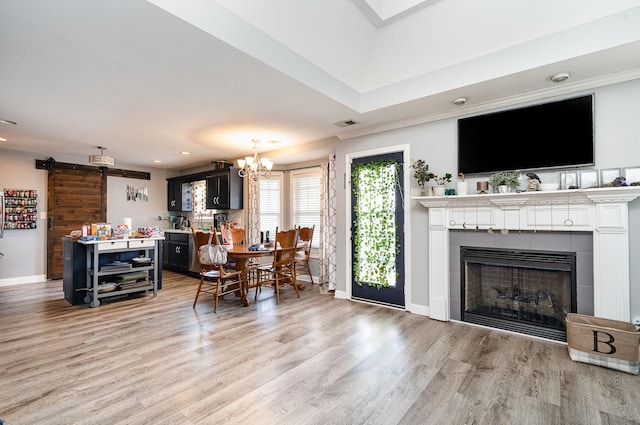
point(550, 135)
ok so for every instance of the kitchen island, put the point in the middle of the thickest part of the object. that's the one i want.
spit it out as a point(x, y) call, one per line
point(97, 269)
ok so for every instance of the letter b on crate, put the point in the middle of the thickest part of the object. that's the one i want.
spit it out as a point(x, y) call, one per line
point(603, 342)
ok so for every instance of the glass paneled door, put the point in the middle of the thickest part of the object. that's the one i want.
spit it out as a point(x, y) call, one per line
point(377, 222)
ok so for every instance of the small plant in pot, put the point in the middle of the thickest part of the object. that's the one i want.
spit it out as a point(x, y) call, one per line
point(441, 181)
point(421, 173)
point(504, 181)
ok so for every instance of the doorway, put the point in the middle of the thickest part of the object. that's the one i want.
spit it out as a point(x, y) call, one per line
point(377, 235)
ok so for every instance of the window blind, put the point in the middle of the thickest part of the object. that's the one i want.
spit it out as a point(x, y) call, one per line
point(305, 211)
point(270, 193)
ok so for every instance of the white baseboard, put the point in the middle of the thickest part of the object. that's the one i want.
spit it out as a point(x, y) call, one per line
point(342, 295)
point(22, 280)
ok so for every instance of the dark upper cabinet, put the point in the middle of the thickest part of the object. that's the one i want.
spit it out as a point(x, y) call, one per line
point(174, 194)
point(179, 195)
point(224, 190)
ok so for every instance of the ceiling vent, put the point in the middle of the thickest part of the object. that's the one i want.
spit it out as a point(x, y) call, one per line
point(102, 159)
point(346, 123)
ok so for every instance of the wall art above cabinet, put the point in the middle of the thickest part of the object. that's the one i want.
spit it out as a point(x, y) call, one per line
point(20, 209)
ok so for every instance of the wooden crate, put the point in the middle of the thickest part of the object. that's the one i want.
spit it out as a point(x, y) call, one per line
point(603, 342)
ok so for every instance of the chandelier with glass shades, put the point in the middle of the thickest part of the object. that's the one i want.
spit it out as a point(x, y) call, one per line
point(254, 166)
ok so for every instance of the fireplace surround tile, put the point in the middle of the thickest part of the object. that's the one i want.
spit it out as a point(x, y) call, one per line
point(579, 242)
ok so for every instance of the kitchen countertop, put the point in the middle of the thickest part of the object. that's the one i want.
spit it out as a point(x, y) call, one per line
point(185, 230)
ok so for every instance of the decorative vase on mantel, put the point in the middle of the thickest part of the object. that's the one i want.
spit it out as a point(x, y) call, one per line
point(503, 188)
point(438, 190)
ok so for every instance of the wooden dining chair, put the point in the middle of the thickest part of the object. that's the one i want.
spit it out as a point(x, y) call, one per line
point(232, 235)
point(305, 235)
point(214, 279)
point(236, 236)
point(283, 269)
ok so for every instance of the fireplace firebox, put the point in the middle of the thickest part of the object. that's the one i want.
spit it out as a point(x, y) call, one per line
point(524, 291)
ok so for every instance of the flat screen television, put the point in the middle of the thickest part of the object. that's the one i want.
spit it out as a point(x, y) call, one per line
point(545, 136)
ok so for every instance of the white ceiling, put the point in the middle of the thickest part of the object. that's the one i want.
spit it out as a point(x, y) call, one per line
point(149, 79)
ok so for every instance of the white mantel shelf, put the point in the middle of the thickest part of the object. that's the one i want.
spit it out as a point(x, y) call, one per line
point(603, 211)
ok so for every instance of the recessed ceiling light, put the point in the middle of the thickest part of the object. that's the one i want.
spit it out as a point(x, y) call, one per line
point(157, 161)
point(2, 139)
point(559, 77)
point(185, 153)
point(8, 122)
point(460, 101)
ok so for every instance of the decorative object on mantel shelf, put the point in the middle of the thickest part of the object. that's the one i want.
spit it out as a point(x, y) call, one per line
point(439, 187)
point(422, 174)
point(482, 187)
point(504, 181)
point(533, 182)
point(462, 187)
point(617, 182)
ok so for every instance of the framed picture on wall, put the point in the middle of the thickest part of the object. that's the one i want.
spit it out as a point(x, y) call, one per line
point(568, 180)
point(632, 174)
point(588, 178)
point(609, 174)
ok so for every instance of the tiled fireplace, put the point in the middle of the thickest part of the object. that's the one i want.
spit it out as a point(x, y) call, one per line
point(584, 232)
point(522, 281)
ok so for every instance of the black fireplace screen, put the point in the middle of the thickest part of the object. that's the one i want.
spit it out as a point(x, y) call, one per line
point(522, 291)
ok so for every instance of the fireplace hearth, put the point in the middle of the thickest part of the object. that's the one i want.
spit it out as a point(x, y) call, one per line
point(524, 291)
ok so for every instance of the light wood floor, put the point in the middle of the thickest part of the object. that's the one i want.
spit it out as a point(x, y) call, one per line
point(313, 360)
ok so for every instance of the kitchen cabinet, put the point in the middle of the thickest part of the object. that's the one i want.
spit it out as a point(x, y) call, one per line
point(179, 195)
point(108, 274)
point(224, 190)
point(178, 251)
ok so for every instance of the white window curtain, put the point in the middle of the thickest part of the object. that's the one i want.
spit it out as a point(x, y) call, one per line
point(328, 214)
point(253, 219)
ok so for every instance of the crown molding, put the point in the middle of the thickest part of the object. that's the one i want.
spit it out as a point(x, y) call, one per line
point(566, 88)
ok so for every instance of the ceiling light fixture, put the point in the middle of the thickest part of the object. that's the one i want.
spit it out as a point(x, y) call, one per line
point(102, 159)
point(559, 77)
point(460, 101)
point(8, 122)
point(346, 123)
point(254, 166)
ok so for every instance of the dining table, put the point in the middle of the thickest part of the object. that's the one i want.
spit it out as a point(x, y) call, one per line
point(242, 255)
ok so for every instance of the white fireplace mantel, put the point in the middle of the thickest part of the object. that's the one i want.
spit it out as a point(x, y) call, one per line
point(603, 211)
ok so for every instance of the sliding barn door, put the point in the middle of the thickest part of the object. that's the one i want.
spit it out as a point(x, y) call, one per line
point(74, 197)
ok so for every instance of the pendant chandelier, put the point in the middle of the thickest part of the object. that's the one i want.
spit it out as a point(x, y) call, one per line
point(254, 166)
point(102, 159)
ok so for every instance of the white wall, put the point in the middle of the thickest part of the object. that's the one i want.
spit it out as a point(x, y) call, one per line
point(617, 129)
point(25, 258)
point(142, 214)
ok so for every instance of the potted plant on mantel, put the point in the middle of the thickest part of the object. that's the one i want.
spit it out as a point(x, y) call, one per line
point(504, 181)
point(438, 189)
point(422, 174)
